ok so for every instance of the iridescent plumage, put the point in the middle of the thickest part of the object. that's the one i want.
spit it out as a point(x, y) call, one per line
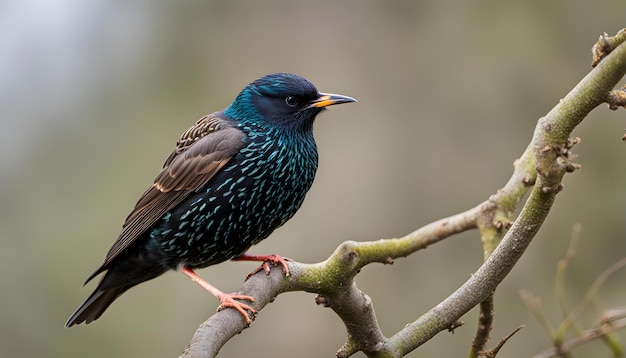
point(234, 177)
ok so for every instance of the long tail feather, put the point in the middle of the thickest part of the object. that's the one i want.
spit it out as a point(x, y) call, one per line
point(95, 305)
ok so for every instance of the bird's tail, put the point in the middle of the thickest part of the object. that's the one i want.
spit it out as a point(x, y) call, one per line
point(121, 274)
point(119, 277)
point(95, 305)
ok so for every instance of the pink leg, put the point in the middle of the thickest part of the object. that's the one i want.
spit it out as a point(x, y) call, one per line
point(226, 299)
point(273, 259)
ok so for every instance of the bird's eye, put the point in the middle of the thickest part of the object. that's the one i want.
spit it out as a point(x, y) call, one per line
point(291, 101)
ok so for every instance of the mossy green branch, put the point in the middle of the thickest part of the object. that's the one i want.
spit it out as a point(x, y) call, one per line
point(542, 167)
point(551, 145)
point(495, 219)
point(550, 149)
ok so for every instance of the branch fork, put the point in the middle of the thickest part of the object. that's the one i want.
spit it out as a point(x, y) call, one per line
point(540, 169)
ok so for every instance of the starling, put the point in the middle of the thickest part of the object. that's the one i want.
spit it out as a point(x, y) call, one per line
point(234, 177)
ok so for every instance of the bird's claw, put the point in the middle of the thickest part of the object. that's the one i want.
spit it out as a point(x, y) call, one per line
point(274, 260)
point(228, 300)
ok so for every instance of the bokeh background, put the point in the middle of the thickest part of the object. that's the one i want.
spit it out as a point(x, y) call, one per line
point(93, 96)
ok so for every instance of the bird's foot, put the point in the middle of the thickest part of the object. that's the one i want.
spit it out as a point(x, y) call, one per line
point(228, 300)
point(267, 259)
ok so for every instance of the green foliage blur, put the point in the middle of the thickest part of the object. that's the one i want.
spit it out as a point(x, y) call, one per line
point(93, 96)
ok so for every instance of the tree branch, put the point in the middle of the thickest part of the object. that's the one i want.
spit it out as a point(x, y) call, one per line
point(485, 323)
point(542, 167)
point(611, 322)
point(333, 280)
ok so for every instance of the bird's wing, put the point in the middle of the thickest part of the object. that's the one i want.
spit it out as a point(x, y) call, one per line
point(201, 152)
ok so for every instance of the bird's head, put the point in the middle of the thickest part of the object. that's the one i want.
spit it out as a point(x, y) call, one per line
point(282, 100)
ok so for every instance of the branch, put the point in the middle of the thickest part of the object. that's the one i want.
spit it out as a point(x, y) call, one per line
point(591, 293)
point(333, 280)
point(550, 149)
point(485, 323)
point(542, 167)
point(611, 322)
point(494, 351)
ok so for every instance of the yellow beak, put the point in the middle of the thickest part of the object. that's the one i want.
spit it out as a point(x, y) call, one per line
point(328, 99)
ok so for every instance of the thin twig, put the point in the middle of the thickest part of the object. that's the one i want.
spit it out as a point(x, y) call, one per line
point(562, 267)
point(591, 293)
point(485, 323)
point(492, 353)
point(587, 336)
point(534, 306)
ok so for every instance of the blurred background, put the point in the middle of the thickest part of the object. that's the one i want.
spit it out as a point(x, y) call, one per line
point(93, 96)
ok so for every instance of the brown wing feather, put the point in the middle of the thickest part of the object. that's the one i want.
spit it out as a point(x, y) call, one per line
point(201, 151)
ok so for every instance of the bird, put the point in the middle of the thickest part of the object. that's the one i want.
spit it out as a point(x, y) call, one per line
point(234, 176)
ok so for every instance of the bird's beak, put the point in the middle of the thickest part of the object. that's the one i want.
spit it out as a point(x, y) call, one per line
point(328, 99)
